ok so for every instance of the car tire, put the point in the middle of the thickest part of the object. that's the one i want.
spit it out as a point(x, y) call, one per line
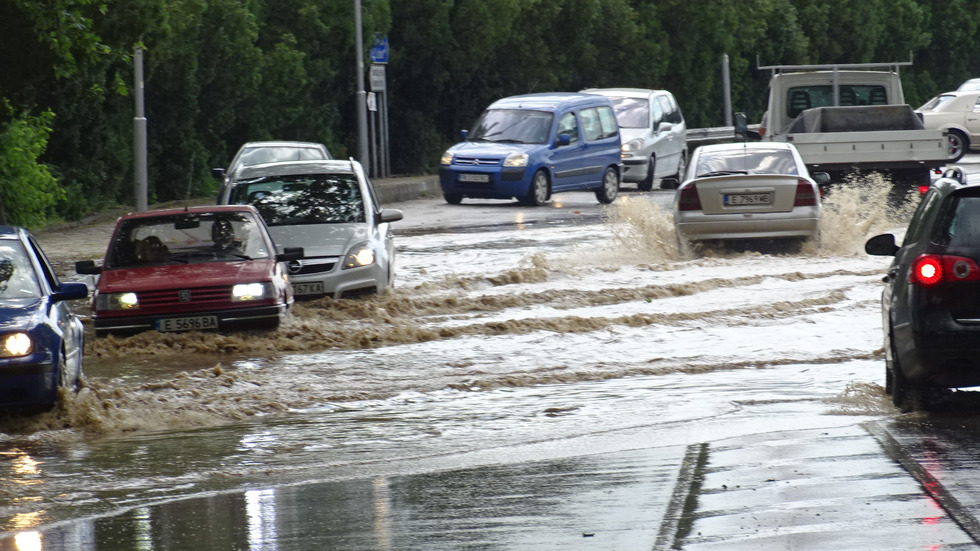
point(610, 186)
point(453, 198)
point(537, 193)
point(959, 143)
point(681, 166)
point(647, 183)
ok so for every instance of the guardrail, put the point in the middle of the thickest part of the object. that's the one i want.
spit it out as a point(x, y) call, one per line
point(718, 134)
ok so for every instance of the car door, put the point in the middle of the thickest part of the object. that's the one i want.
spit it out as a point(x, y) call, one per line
point(567, 161)
point(972, 122)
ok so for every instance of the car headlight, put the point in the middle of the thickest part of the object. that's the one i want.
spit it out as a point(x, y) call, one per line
point(516, 159)
point(359, 255)
point(447, 159)
point(242, 292)
point(116, 301)
point(631, 147)
point(16, 344)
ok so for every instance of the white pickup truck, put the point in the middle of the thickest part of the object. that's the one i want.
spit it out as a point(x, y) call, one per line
point(845, 118)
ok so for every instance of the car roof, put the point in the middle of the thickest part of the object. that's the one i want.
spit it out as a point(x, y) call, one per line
point(296, 167)
point(10, 232)
point(190, 210)
point(624, 92)
point(746, 145)
point(547, 101)
point(282, 143)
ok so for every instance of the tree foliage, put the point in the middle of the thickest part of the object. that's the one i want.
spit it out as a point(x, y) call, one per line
point(222, 72)
point(28, 189)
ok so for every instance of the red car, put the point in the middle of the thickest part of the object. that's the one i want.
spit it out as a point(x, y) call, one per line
point(196, 268)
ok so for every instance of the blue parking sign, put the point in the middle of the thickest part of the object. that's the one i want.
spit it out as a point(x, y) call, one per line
point(379, 52)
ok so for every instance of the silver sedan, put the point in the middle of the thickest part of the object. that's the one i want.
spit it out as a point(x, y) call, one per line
point(747, 190)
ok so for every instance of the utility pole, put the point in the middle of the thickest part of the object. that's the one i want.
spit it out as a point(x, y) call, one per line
point(139, 136)
point(361, 98)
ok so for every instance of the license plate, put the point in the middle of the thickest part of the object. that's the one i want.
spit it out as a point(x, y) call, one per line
point(196, 323)
point(474, 178)
point(734, 199)
point(311, 288)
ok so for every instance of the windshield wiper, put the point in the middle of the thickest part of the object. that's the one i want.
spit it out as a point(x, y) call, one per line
point(722, 173)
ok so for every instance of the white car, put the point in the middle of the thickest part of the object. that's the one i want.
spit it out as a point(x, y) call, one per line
point(330, 209)
point(654, 135)
point(958, 113)
point(748, 190)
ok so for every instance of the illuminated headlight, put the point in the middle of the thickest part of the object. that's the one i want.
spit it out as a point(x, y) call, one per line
point(16, 344)
point(116, 301)
point(631, 147)
point(516, 159)
point(250, 291)
point(360, 255)
point(447, 158)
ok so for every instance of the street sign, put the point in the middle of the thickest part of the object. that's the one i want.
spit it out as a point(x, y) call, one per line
point(376, 78)
point(379, 52)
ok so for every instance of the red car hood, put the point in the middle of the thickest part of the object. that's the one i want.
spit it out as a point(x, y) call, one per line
point(211, 274)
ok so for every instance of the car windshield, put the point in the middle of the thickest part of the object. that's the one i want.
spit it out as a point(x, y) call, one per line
point(937, 102)
point(277, 154)
point(303, 199)
point(746, 160)
point(187, 238)
point(17, 276)
point(513, 126)
point(632, 112)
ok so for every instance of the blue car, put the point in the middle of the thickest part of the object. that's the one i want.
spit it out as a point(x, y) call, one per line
point(41, 338)
point(532, 146)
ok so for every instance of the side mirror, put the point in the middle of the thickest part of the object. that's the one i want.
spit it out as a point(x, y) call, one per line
point(218, 173)
point(665, 127)
point(821, 178)
point(564, 139)
point(463, 134)
point(290, 253)
point(881, 245)
point(87, 267)
point(742, 128)
point(70, 291)
point(390, 215)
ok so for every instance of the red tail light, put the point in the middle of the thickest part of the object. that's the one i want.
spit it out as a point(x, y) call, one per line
point(930, 269)
point(923, 190)
point(805, 196)
point(689, 198)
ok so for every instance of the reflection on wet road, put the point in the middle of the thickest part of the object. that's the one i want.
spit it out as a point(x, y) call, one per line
point(523, 387)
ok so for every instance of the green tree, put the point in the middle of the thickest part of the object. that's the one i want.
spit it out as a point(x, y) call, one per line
point(28, 189)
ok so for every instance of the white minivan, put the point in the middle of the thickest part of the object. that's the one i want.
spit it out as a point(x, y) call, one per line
point(654, 135)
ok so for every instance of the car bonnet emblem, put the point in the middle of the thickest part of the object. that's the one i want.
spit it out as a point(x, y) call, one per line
point(184, 295)
point(295, 266)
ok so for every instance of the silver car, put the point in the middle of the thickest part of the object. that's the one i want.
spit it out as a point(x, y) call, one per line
point(330, 209)
point(259, 153)
point(748, 190)
point(654, 135)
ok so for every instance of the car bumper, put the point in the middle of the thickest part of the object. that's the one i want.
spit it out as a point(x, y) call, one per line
point(698, 226)
point(945, 359)
point(635, 170)
point(257, 315)
point(501, 183)
point(340, 283)
point(28, 383)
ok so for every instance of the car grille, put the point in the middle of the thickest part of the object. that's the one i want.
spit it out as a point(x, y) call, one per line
point(476, 161)
point(313, 265)
point(200, 295)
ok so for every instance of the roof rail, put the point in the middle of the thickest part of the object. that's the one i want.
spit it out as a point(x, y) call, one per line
point(833, 66)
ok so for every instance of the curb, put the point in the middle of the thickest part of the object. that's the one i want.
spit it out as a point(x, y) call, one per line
point(396, 190)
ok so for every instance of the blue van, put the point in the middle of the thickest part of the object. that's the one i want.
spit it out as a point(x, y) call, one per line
point(534, 145)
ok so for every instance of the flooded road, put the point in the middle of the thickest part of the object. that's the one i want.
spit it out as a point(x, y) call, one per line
point(558, 378)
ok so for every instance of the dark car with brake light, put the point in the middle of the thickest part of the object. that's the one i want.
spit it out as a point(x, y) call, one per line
point(931, 301)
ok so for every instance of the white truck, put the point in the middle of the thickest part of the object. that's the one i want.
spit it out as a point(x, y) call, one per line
point(853, 117)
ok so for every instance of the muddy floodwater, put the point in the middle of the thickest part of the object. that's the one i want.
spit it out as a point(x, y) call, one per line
point(496, 345)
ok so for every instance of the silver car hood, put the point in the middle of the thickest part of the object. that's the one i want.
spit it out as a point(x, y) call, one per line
point(320, 239)
point(627, 134)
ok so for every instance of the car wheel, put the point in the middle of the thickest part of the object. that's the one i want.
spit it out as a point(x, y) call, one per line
point(958, 144)
point(610, 187)
point(453, 198)
point(647, 183)
point(537, 194)
point(681, 166)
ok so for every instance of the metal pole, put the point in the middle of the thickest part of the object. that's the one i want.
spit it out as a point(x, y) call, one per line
point(361, 98)
point(726, 84)
point(386, 165)
point(139, 137)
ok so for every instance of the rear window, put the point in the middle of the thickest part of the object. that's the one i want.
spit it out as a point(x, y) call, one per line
point(960, 223)
point(807, 97)
point(303, 199)
point(745, 161)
